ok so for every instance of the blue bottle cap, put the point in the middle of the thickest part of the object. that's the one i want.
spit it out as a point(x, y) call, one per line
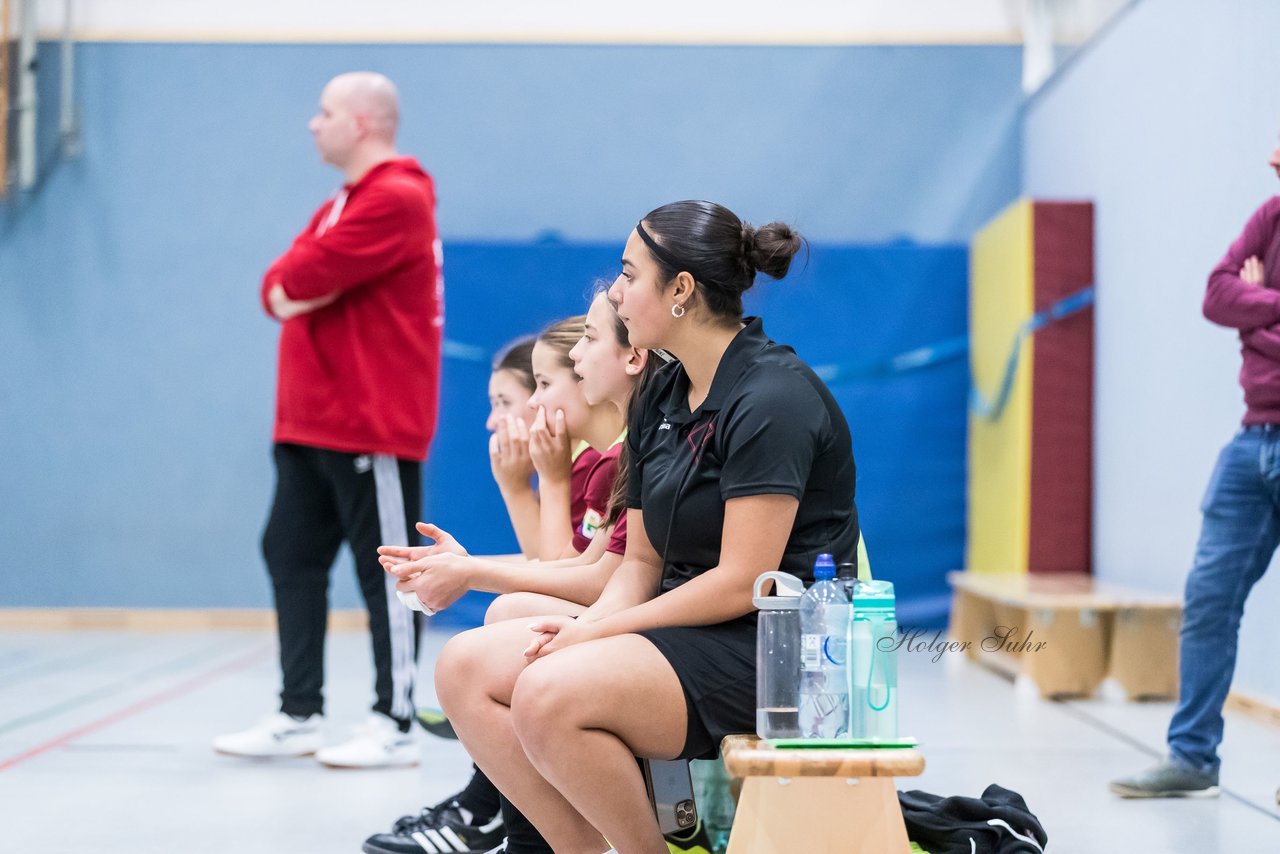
point(824, 568)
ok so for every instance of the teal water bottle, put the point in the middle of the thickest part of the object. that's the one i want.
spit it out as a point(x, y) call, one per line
point(873, 670)
point(714, 796)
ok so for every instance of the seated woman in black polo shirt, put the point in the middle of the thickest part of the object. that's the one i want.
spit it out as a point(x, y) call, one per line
point(740, 463)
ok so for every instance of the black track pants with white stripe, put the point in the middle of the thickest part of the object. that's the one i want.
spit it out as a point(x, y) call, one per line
point(322, 499)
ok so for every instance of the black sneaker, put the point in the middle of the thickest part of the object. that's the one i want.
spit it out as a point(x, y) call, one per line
point(434, 722)
point(445, 828)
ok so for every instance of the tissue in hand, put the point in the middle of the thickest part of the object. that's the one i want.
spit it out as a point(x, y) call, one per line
point(412, 602)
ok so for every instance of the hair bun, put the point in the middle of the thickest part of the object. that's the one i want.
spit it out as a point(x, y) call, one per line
point(771, 247)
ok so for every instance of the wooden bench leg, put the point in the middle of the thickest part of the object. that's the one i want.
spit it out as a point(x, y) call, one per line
point(1073, 660)
point(972, 619)
point(818, 815)
point(1144, 652)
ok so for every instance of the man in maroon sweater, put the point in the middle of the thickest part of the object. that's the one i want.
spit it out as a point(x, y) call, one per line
point(1241, 526)
point(359, 296)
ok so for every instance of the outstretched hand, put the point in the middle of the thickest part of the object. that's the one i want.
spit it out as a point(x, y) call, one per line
point(391, 557)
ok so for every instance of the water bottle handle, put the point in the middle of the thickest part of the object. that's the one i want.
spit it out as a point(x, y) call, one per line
point(785, 584)
point(876, 652)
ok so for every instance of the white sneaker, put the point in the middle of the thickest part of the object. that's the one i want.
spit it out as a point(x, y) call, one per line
point(378, 743)
point(273, 736)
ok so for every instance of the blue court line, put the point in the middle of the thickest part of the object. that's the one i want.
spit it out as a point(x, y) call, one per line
point(143, 705)
point(119, 686)
point(41, 667)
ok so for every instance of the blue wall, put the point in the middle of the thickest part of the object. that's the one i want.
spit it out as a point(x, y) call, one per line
point(135, 406)
point(854, 143)
point(856, 307)
point(849, 306)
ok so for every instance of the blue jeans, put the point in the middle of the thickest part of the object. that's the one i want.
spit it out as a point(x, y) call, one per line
point(1238, 536)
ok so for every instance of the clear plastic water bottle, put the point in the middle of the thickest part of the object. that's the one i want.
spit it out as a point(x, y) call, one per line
point(824, 624)
point(846, 577)
point(778, 655)
point(873, 662)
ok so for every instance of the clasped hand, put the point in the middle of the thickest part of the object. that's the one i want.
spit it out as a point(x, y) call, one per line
point(436, 573)
point(552, 634)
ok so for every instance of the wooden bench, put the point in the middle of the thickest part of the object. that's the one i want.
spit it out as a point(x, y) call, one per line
point(1068, 632)
point(819, 801)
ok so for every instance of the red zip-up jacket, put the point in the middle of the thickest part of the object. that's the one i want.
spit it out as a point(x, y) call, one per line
point(1253, 310)
point(362, 374)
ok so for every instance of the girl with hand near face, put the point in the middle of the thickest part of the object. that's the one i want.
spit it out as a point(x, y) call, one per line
point(609, 370)
point(586, 375)
point(511, 384)
point(517, 450)
point(740, 463)
point(566, 440)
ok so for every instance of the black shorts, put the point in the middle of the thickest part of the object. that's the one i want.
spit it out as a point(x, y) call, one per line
point(716, 666)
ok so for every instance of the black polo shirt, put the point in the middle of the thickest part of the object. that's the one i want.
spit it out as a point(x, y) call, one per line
point(768, 426)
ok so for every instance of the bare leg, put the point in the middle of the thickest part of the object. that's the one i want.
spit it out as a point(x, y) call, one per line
point(514, 606)
point(475, 676)
point(584, 713)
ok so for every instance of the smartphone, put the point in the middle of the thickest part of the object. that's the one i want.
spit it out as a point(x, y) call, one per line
point(671, 792)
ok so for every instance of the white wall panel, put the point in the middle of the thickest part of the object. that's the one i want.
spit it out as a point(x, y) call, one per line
point(1166, 124)
point(662, 21)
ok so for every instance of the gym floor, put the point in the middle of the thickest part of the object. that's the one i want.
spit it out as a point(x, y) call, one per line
point(104, 748)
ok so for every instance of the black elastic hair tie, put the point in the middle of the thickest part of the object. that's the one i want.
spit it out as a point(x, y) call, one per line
point(661, 254)
point(672, 261)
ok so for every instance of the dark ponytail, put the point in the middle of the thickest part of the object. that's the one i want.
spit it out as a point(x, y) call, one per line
point(771, 247)
point(720, 251)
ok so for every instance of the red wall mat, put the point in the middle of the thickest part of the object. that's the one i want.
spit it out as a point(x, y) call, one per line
point(1062, 397)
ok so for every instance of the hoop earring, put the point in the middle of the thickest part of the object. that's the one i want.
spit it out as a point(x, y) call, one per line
point(679, 313)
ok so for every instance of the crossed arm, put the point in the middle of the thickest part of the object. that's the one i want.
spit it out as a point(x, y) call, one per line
point(283, 308)
point(1264, 339)
point(1237, 295)
point(375, 234)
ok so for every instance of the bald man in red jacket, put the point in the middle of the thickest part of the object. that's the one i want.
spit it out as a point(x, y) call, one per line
point(359, 296)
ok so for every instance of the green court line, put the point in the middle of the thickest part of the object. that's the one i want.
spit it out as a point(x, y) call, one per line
point(54, 665)
point(22, 654)
point(109, 690)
